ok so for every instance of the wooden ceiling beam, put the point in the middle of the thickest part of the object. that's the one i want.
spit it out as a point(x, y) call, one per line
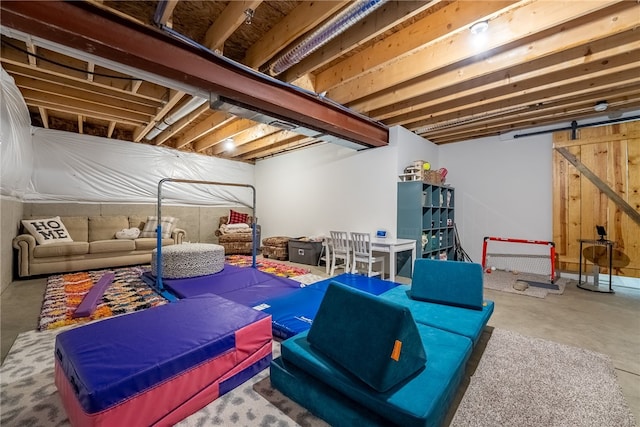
point(256, 132)
point(44, 116)
point(603, 33)
point(556, 94)
point(232, 17)
point(627, 97)
point(538, 88)
point(521, 122)
point(205, 127)
point(383, 19)
point(74, 82)
point(514, 24)
point(111, 128)
point(272, 150)
point(80, 25)
point(306, 16)
point(531, 73)
point(83, 95)
point(268, 141)
point(77, 108)
point(219, 135)
point(180, 124)
point(32, 49)
point(90, 70)
point(174, 97)
point(450, 18)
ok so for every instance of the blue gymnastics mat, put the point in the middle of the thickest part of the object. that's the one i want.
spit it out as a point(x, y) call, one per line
point(293, 313)
point(244, 285)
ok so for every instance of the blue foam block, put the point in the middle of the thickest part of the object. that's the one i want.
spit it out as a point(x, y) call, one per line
point(448, 282)
point(421, 401)
point(459, 320)
point(294, 312)
point(114, 359)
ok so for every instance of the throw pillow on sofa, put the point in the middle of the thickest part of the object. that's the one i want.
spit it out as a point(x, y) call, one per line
point(237, 217)
point(167, 223)
point(128, 233)
point(48, 230)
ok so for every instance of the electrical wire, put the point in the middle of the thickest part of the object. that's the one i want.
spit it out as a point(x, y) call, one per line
point(42, 58)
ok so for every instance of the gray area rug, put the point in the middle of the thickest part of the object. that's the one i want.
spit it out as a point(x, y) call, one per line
point(504, 281)
point(523, 381)
point(519, 381)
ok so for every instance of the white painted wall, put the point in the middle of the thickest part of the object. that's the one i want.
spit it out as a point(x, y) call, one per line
point(503, 188)
point(327, 187)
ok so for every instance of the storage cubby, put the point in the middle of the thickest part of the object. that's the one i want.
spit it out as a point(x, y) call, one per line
point(427, 210)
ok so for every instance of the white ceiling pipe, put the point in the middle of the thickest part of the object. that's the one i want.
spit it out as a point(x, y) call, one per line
point(187, 108)
point(335, 26)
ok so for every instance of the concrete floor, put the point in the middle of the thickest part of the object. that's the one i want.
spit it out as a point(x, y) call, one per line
point(606, 323)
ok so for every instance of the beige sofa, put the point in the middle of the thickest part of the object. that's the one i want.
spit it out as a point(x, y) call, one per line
point(94, 246)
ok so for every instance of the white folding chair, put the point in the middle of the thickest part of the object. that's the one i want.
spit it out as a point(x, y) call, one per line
point(362, 253)
point(340, 250)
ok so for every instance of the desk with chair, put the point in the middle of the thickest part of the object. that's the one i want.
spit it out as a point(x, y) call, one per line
point(389, 245)
point(392, 246)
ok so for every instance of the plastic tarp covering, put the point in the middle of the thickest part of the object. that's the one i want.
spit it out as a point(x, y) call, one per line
point(82, 168)
point(16, 153)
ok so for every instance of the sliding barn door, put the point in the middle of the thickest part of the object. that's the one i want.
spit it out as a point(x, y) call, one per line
point(599, 185)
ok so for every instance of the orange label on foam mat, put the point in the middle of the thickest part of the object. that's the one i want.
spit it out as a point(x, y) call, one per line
point(395, 354)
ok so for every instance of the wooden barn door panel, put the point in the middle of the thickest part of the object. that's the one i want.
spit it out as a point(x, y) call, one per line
point(612, 153)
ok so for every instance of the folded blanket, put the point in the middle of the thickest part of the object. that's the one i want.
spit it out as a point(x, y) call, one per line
point(235, 228)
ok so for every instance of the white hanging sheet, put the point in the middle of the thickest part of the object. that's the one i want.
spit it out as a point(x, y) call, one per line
point(16, 153)
point(82, 168)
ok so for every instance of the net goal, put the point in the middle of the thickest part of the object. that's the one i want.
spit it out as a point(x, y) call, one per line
point(519, 255)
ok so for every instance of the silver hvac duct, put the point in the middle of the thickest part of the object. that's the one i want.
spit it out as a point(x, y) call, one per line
point(187, 108)
point(329, 30)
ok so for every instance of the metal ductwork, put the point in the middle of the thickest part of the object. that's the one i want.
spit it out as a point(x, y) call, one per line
point(170, 119)
point(329, 30)
point(239, 109)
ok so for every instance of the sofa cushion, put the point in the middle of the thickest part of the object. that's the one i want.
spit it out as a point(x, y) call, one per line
point(150, 227)
point(374, 339)
point(61, 249)
point(137, 221)
point(105, 227)
point(149, 243)
point(47, 230)
point(77, 226)
point(113, 245)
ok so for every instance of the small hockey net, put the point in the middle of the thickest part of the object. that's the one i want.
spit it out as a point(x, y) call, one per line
point(519, 255)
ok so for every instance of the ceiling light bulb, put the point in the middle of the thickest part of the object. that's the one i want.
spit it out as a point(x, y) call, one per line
point(229, 145)
point(601, 106)
point(479, 27)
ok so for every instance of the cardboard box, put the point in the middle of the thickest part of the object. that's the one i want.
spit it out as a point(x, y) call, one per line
point(304, 251)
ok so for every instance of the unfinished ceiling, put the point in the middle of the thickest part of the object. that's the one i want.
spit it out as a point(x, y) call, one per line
point(410, 63)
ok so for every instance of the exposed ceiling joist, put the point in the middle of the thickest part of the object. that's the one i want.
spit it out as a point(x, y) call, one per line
point(234, 15)
point(408, 62)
